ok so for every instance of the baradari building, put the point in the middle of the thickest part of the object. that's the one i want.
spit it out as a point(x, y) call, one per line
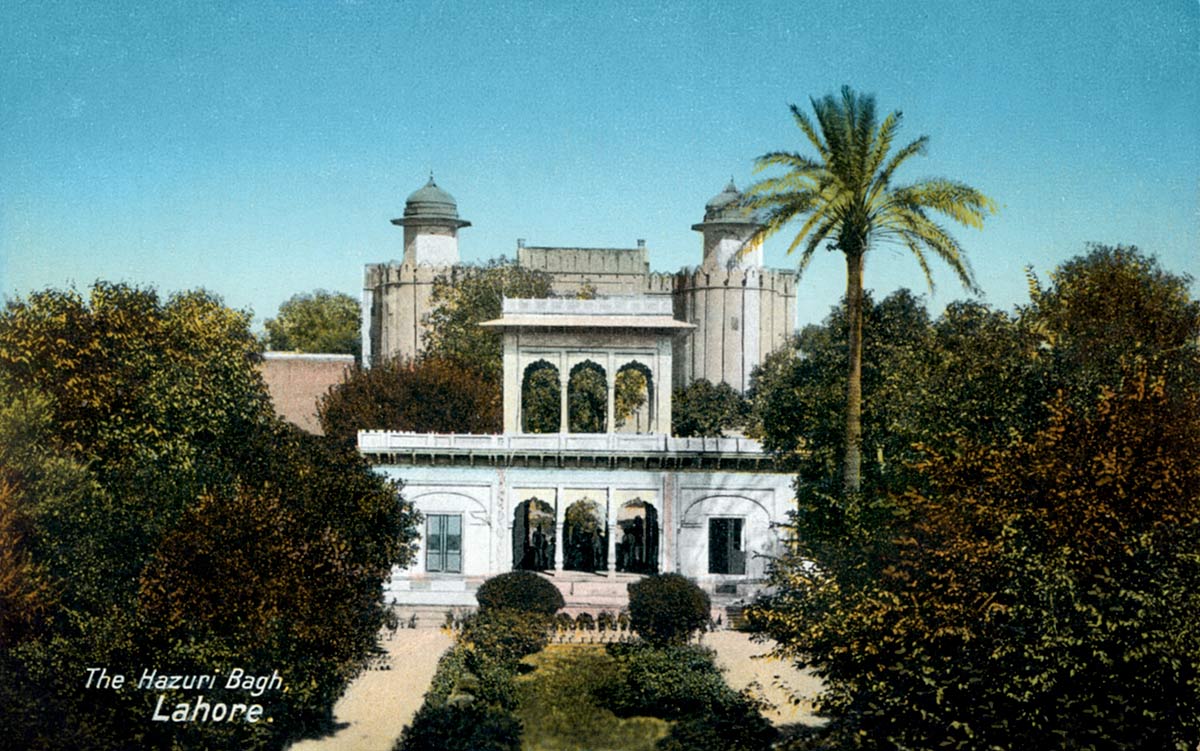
point(592, 510)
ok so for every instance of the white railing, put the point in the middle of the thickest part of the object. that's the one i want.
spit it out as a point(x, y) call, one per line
point(628, 305)
point(382, 441)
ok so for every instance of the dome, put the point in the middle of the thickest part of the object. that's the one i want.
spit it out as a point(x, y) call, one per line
point(431, 205)
point(726, 207)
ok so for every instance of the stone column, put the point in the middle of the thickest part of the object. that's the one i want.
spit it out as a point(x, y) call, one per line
point(563, 377)
point(559, 514)
point(610, 522)
point(610, 419)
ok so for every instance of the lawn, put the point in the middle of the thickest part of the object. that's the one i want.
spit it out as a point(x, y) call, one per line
point(558, 706)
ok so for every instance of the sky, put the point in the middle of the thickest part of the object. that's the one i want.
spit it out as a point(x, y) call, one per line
point(260, 149)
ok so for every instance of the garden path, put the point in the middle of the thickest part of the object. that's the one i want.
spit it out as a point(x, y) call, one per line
point(737, 657)
point(379, 703)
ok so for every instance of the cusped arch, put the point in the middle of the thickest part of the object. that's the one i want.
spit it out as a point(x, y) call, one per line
point(533, 535)
point(585, 536)
point(541, 398)
point(587, 398)
point(634, 409)
point(637, 537)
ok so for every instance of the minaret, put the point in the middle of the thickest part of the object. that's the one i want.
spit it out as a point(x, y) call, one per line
point(431, 226)
point(730, 298)
point(396, 296)
point(727, 227)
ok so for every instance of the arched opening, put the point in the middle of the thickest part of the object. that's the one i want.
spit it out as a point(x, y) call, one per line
point(541, 401)
point(585, 537)
point(587, 398)
point(637, 538)
point(533, 536)
point(633, 404)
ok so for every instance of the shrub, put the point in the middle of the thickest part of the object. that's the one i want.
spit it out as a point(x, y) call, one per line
point(585, 622)
point(735, 725)
point(683, 684)
point(564, 622)
point(505, 635)
point(520, 590)
point(471, 726)
point(667, 682)
point(667, 608)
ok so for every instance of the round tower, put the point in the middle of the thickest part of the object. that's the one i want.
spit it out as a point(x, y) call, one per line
point(431, 226)
point(727, 228)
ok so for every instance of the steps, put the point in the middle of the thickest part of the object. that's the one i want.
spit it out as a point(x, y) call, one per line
point(585, 592)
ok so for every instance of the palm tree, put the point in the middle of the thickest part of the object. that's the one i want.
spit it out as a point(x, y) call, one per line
point(847, 199)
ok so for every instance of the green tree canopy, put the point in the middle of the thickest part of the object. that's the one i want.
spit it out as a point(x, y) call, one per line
point(704, 409)
point(204, 534)
point(847, 197)
point(430, 395)
point(1025, 577)
point(466, 298)
point(319, 321)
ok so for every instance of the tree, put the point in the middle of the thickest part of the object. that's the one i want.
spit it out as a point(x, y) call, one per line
point(467, 298)
point(631, 389)
point(846, 196)
point(1028, 577)
point(430, 395)
point(317, 321)
point(36, 481)
point(587, 399)
point(203, 534)
point(704, 409)
point(541, 399)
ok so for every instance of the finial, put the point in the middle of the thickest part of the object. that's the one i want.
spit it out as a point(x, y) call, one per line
point(431, 182)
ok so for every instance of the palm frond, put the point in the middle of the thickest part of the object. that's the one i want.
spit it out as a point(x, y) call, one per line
point(845, 194)
point(915, 223)
point(882, 142)
point(809, 131)
point(900, 157)
point(960, 202)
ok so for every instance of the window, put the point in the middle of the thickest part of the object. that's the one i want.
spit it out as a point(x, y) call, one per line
point(443, 543)
point(725, 554)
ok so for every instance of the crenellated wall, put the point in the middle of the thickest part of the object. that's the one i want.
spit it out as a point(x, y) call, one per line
point(397, 298)
point(741, 316)
point(611, 271)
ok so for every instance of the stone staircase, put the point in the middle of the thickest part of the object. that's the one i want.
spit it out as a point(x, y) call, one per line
point(585, 592)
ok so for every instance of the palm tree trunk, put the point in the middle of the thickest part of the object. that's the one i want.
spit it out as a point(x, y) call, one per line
point(852, 463)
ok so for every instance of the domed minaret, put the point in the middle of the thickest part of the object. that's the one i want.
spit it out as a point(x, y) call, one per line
point(431, 226)
point(727, 228)
point(396, 294)
point(741, 311)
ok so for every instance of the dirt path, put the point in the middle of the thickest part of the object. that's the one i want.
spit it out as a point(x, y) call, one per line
point(380, 703)
point(736, 656)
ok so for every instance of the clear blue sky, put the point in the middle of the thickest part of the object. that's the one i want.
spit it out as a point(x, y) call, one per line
point(260, 149)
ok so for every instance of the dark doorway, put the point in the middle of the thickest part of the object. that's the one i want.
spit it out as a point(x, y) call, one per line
point(725, 554)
